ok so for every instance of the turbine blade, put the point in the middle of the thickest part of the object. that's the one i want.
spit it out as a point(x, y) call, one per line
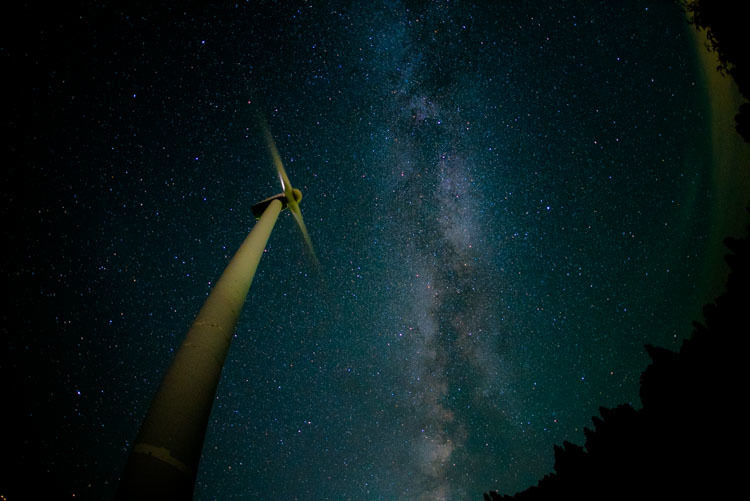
point(297, 213)
point(285, 184)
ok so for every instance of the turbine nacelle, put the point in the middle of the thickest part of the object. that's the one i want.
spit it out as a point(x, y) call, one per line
point(281, 197)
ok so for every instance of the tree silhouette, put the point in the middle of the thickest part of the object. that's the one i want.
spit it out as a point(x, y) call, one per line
point(686, 440)
point(726, 27)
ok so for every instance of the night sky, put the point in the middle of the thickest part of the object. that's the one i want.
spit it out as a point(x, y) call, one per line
point(507, 203)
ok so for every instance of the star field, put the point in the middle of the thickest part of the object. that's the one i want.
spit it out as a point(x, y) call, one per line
point(507, 203)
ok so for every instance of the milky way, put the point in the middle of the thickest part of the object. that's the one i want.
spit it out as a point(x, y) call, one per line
point(446, 327)
point(507, 202)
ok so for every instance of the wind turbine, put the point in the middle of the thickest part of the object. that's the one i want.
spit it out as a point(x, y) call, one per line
point(163, 461)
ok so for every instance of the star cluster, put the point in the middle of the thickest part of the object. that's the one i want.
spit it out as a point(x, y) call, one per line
point(507, 203)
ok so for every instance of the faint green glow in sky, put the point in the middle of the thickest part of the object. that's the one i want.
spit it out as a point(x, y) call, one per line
point(730, 159)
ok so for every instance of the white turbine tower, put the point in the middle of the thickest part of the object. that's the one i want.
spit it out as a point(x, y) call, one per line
point(163, 462)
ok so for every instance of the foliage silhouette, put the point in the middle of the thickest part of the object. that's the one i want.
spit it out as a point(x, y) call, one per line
point(686, 440)
point(725, 26)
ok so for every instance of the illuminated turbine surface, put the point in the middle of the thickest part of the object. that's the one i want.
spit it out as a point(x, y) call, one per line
point(164, 459)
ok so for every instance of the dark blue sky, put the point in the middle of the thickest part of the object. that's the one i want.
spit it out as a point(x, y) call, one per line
point(507, 203)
